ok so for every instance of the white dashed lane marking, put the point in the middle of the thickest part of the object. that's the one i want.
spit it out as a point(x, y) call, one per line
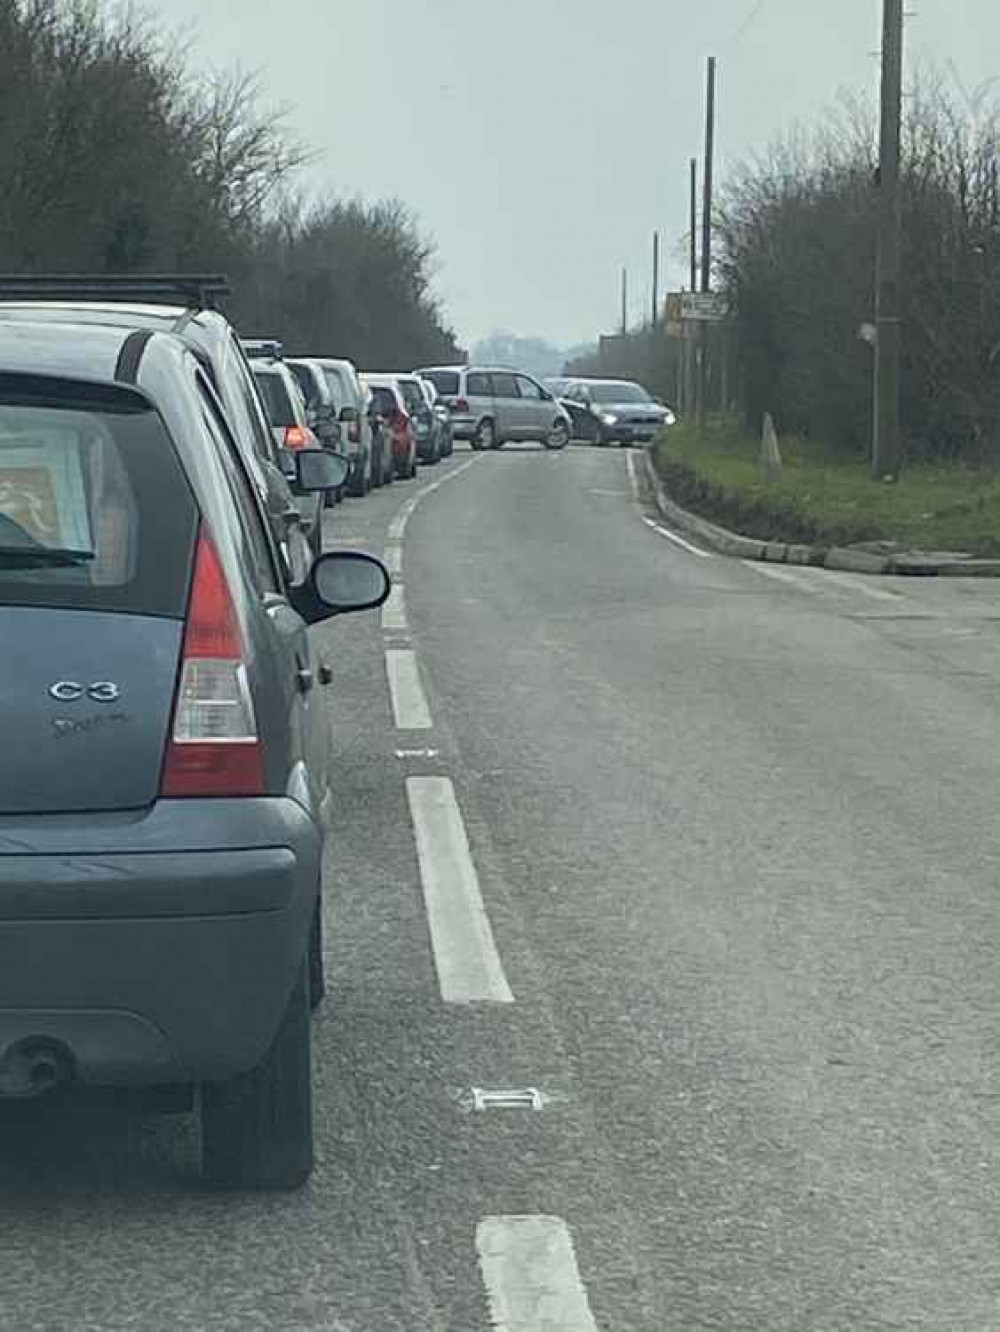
point(409, 703)
point(531, 1275)
point(393, 560)
point(465, 955)
point(394, 610)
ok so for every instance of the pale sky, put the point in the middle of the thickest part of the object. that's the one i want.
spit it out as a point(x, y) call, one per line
point(540, 142)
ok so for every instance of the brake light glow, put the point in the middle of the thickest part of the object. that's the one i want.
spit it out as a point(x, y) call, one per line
point(296, 437)
point(214, 749)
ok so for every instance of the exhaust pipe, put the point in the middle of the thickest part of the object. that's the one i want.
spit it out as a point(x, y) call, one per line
point(34, 1066)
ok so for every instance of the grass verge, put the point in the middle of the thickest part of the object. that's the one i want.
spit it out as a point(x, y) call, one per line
point(825, 500)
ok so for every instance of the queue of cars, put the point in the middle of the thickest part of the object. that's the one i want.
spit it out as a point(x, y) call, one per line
point(165, 794)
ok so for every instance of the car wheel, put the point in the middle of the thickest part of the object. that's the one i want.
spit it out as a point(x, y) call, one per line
point(257, 1129)
point(558, 436)
point(358, 487)
point(485, 436)
point(317, 970)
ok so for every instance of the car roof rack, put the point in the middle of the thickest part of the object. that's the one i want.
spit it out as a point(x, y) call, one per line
point(197, 291)
point(263, 349)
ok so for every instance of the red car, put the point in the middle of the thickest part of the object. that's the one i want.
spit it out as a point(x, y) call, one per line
point(388, 403)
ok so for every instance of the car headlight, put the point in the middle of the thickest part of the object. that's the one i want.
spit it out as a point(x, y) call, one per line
point(609, 418)
point(669, 419)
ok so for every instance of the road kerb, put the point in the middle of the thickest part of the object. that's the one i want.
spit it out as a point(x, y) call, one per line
point(848, 559)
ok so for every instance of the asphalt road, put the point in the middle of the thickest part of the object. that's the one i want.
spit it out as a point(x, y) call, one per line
point(706, 854)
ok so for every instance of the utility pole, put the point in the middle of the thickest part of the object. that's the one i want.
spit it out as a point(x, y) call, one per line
point(624, 301)
point(706, 214)
point(706, 238)
point(689, 396)
point(694, 224)
point(887, 442)
point(656, 278)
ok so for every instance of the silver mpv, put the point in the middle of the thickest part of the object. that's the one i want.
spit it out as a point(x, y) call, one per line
point(490, 407)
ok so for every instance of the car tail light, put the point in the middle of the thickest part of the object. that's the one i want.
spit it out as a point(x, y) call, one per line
point(296, 437)
point(214, 748)
point(461, 405)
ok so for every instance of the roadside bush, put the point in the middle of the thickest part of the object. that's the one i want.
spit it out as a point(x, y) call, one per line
point(797, 231)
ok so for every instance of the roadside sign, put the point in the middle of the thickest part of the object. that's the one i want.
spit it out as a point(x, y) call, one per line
point(706, 307)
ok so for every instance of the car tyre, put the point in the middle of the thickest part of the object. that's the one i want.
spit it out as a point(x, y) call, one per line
point(486, 436)
point(257, 1129)
point(558, 436)
point(359, 485)
point(317, 967)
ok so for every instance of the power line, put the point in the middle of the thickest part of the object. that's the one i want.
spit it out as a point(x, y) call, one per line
point(746, 25)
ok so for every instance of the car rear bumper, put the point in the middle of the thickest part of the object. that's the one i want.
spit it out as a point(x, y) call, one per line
point(464, 427)
point(145, 952)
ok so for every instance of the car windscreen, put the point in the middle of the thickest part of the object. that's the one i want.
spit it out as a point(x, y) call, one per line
point(276, 397)
point(622, 392)
point(445, 381)
point(95, 510)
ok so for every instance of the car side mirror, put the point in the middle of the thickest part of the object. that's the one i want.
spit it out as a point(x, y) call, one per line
point(349, 415)
point(547, 396)
point(342, 582)
point(320, 469)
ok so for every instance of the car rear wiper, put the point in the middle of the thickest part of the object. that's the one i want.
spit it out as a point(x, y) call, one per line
point(14, 557)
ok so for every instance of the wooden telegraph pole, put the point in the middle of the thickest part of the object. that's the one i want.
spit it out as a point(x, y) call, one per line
point(706, 237)
point(694, 224)
point(656, 279)
point(887, 441)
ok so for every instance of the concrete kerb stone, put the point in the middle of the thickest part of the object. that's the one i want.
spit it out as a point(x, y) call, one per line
point(844, 558)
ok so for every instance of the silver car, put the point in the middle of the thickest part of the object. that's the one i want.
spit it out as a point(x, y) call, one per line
point(490, 407)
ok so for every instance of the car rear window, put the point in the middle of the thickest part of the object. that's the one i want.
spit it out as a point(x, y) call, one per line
point(100, 487)
point(445, 381)
point(412, 396)
point(274, 391)
point(384, 400)
point(307, 383)
point(342, 390)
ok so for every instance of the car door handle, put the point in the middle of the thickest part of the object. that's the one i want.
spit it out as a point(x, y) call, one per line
point(304, 679)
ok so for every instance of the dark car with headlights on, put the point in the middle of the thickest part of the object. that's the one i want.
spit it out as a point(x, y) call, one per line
point(165, 785)
point(614, 411)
